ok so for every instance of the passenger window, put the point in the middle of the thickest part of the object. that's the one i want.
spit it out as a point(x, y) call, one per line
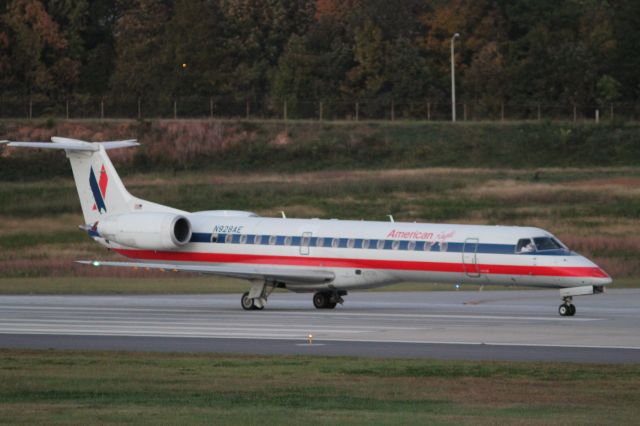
point(350, 243)
point(335, 243)
point(257, 239)
point(287, 241)
point(380, 245)
point(214, 238)
point(272, 240)
point(243, 239)
point(443, 246)
point(320, 242)
point(365, 244)
point(395, 245)
point(411, 245)
point(525, 245)
point(305, 241)
point(427, 246)
point(228, 239)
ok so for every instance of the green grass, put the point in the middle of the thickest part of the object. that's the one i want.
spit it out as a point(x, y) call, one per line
point(63, 387)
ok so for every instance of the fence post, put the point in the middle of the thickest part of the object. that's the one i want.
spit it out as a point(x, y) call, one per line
point(502, 111)
point(539, 112)
point(139, 110)
point(321, 110)
point(464, 111)
point(393, 111)
point(67, 108)
point(175, 109)
point(102, 109)
point(357, 110)
point(30, 108)
point(211, 107)
point(575, 113)
point(597, 116)
point(428, 111)
point(285, 110)
point(248, 112)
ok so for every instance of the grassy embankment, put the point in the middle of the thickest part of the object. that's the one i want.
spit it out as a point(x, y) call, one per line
point(61, 387)
point(595, 209)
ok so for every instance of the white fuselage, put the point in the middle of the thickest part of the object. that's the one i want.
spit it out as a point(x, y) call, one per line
point(363, 254)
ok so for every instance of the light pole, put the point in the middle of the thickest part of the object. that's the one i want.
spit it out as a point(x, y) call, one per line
point(453, 79)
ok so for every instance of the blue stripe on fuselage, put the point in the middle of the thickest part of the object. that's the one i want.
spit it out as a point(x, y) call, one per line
point(452, 247)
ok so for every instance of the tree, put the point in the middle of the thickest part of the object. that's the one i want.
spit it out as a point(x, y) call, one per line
point(141, 65)
point(38, 50)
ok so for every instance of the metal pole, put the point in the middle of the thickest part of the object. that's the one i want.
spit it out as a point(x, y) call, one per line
point(321, 110)
point(139, 110)
point(30, 108)
point(611, 112)
point(211, 108)
point(175, 109)
point(247, 109)
point(357, 110)
point(67, 108)
point(428, 111)
point(575, 113)
point(464, 111)
point(502, 111)
point(597, 116)
point(453, 79)
point(539, 113)
point(393, 111)
point(285, 110)
point(102, 109)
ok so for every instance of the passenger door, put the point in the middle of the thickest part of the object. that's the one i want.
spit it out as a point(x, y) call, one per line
point(305, 242)
point(470, 258)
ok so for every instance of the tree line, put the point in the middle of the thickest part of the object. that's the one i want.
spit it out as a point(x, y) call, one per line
point(301, 52)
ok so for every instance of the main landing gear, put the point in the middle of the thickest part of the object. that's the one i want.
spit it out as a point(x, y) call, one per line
point(567, 309)
point(328, 299)
point(256, 298)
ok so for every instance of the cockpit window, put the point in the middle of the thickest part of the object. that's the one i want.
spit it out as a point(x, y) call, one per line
point(547, 243)
point(525, 245)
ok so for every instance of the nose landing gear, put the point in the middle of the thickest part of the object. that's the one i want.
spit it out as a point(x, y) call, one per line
point(567, 309)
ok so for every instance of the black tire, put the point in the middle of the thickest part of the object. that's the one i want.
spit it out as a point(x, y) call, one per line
point(320, 300)
point(564, 310)
point(246, 303)
point(331, 305)
point(572, 310)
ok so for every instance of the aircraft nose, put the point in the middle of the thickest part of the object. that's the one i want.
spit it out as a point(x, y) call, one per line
point(598, 274)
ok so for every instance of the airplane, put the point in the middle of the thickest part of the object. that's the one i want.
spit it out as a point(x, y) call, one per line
point(325, 257)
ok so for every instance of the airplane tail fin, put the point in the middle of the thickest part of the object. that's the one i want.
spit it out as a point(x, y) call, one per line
point(99, 187)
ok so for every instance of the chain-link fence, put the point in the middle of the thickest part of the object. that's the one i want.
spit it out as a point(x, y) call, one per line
point(198, 107)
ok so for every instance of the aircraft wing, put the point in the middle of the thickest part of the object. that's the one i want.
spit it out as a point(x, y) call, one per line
point(262, 272)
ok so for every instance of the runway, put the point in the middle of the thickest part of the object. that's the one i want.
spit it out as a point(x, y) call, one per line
point(496, 325)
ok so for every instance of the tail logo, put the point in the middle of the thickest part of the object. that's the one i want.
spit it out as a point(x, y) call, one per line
point(99, 189)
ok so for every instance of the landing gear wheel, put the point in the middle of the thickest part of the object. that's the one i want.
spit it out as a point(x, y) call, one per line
point(321, 300)
point(331, 305)
point(246, 302)
point(572, 310)
point(564, 310)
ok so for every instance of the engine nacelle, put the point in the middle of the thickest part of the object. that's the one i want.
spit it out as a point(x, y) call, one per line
point(154, 231)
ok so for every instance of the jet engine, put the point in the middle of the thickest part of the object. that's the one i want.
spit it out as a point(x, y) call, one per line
point(152, 231)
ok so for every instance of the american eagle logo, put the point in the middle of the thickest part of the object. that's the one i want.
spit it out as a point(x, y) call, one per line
point(99, 189)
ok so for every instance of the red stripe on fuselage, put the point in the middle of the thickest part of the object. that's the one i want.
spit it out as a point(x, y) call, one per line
point(403, 265)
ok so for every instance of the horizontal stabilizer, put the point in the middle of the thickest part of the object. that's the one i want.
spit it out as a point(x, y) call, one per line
point(262, 272)
point(75, 144)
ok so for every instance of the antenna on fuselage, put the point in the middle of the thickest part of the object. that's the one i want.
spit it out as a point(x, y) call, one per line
point(284, 216)
point(390, 218)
